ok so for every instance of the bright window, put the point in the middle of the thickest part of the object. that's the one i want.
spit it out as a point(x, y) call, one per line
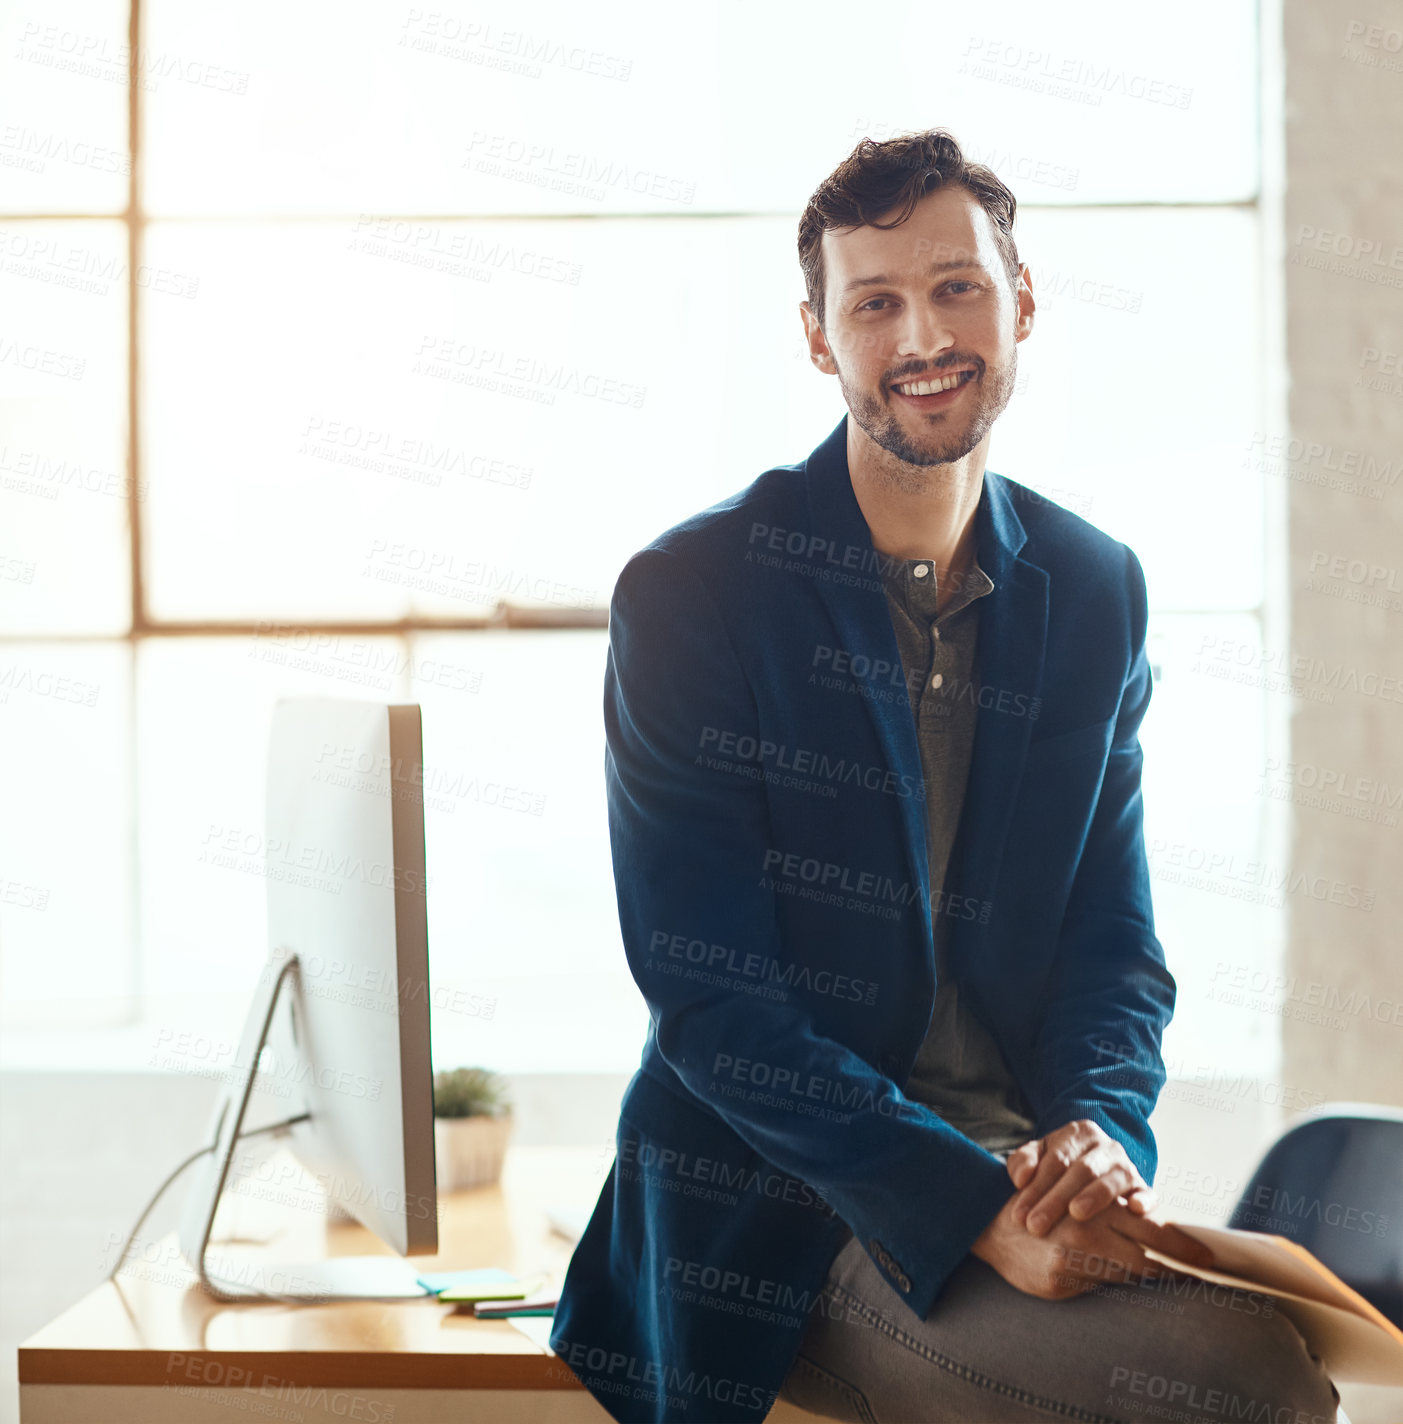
point(435, 314)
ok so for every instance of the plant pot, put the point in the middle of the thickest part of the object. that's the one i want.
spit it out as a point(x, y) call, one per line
point(469, 1150)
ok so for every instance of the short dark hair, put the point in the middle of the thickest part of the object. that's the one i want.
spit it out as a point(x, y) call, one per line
point(878, 176)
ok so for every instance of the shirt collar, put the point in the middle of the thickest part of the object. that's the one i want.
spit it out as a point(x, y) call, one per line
point(913, 581)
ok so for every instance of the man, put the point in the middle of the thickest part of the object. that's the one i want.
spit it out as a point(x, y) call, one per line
point(873, 781)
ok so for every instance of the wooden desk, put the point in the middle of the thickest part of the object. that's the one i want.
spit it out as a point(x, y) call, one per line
point(154, 1348)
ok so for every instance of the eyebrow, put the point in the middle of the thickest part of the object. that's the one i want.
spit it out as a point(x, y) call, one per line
point(934, 270)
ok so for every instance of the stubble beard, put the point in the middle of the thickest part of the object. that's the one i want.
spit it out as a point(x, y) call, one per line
point(937, 444)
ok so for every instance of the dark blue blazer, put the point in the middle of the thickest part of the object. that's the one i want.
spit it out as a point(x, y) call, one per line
point(767, 825)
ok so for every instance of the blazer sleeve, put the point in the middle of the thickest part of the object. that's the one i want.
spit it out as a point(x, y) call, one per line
point(689, 849)
point(1110, 994)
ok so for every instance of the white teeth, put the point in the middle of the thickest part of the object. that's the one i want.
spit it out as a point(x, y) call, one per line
point(930, 388)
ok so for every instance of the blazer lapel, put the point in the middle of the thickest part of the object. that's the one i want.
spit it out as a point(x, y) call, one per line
point(1009, 661)
point(1008, 675)
point(857, 607)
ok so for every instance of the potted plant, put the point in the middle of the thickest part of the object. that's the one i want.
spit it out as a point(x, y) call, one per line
point(472, 1122)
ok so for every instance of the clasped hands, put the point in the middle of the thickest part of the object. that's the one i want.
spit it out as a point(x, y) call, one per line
point(1081, 1217)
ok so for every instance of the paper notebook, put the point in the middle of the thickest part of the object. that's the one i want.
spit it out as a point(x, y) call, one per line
point(541, 1302)
point(487, 1283)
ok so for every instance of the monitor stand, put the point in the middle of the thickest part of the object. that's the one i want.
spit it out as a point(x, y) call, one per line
point(309, 1282)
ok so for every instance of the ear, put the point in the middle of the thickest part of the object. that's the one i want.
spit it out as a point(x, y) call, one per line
point(1023, 328)
point(819, 352)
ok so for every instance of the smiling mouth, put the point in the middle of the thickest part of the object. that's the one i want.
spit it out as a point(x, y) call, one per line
point(928, 387)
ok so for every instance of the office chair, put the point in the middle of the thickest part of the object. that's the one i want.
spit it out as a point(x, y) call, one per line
point(1333, 1182)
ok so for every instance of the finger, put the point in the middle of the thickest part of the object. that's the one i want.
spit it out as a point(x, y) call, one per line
point(1060, 1150)
point(1166, 1238)
point(1079, 1178)
point(1023, 1161)
point(1142, 1200)
point(1140, 1267)
point(1103, 1191)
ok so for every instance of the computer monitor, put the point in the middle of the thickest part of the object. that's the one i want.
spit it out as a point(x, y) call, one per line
point(341, 1013)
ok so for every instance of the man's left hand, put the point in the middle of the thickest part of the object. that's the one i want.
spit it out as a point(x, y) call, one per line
point(1077, 1171)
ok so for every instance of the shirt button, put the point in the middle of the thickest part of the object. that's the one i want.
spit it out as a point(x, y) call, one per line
point(921, 570)
point(937, 680)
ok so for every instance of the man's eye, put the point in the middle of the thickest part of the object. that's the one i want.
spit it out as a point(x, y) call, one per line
point(958, 288)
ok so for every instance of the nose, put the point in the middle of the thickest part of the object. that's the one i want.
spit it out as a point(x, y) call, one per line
point(923, 333)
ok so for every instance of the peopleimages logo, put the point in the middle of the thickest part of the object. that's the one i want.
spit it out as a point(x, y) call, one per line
point(711, 1177)
point(1275, 1209)
point(807, 762)
point(791, 1086)
point(617, 1373)
point(764, 968)
point(827, 883)
point(837, 669)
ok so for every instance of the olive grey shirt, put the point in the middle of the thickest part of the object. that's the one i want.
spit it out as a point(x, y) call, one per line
point(960, 1071)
